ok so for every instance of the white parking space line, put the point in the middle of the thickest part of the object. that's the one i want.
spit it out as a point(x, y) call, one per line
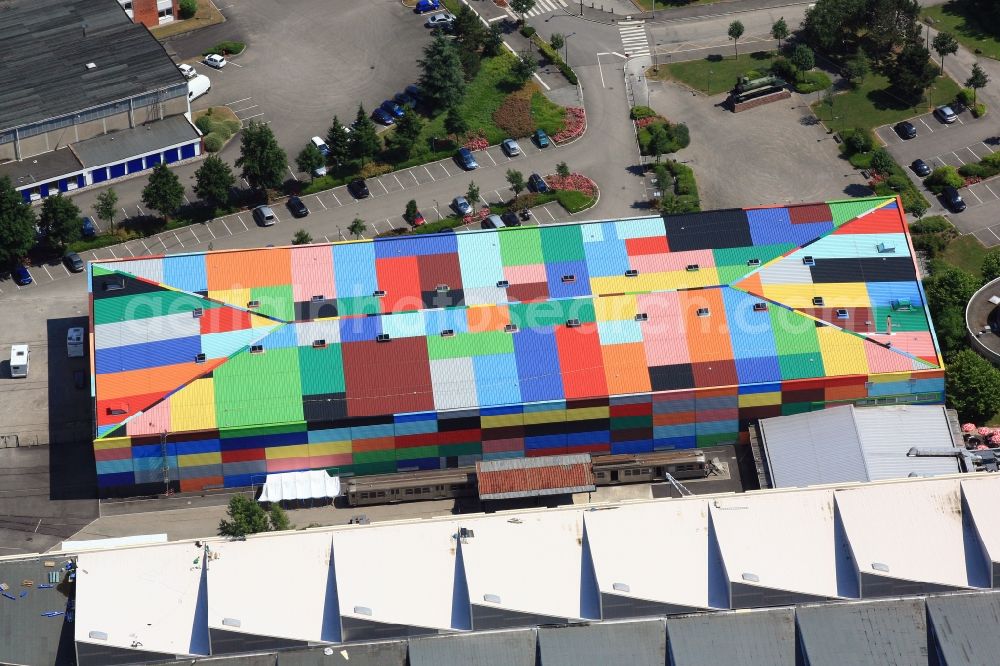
point(429, 172)
point(129, 249)
point(290, 172)
point(491, 157)
point(46, 269)
point(112, 253)
point(148, 251)
point(925, 124)
point(245, 182)
point(210, 231)
point(445, 169)
point(379, 181)
point(414, 177)
point(335, 198)
point(178, 239)
point(973, 193)
point(239, 100)
point(960, 121)
point(986, 185)
point(162, 243)
point(397, 182)
point(545, 208)
point(326, 239)
point(321, 202)
point(990, 229)
point(988, 147)
point(499, 198)
point(124, 212)
point(196, 239)
point(245, 227)
point(974, 156)
point(440, 216)
point(957, 157)
point(186, 200)
point(227, 227)
point(276, 218)
point(245, 108)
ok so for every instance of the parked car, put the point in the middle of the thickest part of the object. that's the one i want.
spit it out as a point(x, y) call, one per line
point(466, 160)
point(187, 71)
point(418, 220)
point(264, 216)
point(492, 222)
point(920, 168)
point(510, 148)
point(392, 108)
point(511, 219)
point(541, 138)
point(297, 207)
point(88, 230)
point(382, 116)
point(953, 199)
point(905, 130)
point(405, 99)
point(215, 60)
point(21, 276)
point(319, 171)
point(73, 262)
point(424, 6)
point(358, 188)
point(945, 114)
point(442, 20)
point(537, 184)
point(461, 206)
point(320, 145)
point(414, 92)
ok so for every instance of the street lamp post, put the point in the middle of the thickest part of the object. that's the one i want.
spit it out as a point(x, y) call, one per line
point(566, 44)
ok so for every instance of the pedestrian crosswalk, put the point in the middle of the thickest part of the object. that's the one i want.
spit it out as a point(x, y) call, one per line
point(634, 38)
point(545, 6)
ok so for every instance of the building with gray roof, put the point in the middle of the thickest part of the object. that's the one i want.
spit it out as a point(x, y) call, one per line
point(890, 632)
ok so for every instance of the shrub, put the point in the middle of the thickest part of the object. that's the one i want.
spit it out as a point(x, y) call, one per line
point(782, 68)
point(638, 112)
point(554, 57)
point(528, 31)
point(979, 110)
point(860, 160)
point(942, 177)
point(858, 140)
point(205, 123)
point(812, 82)
point(680, 136)
point(992, 160)
point(897, 182)
point(934, 224)
point(226, 48)
point(214, 142)
point(187, 8)
point(965, 97)
point(514, 114)
point(373, 169)
point(975, 170)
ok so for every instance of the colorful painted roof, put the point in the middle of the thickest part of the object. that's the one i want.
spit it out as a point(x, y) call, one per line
point(492, 318)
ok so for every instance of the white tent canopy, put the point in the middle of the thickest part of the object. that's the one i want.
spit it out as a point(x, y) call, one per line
point(314, 484)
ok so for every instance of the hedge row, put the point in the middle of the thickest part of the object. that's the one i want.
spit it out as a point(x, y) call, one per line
point(555, 58)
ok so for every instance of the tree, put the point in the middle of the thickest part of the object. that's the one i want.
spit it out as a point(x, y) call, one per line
point(978, 80)
point(106, 206)
point(944, 44)
point(302, 237)
point(262, 161)
point(471, 62)
point(522, 7)
point(187, 8)
point(410, 213)
point(310, 159)
point(213, 182)
point(972, 386)
point(279, 519)
point(917, 208)
point(357, 227)
point(779, 30)
point(454, 122)
point(245, 517)
point(803, 58)
point(523, 69)
point(164, 192)
point(468, 30)
point(856, 69)
point(338, 141)
point(493, 42)
point(472, 195)
point(882, 162)
point(948, 286)
point(442, 77)
point(659, 140)
point(364, 139)
point(557, 41)
point(991, 265)
point(912, 72)
point(17, 224)
point(889, 24)
point(409, 126)
point(59, 221)
point(562, 169)
point(735, 32)
point(516, 181)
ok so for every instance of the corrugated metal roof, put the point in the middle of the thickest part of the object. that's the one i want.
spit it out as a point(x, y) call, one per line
point(965, 627)
point(870, 633)
point(125, 144)
point(509, 648)
point(843, 444)
point(642, 643)
point(532, 477)
point(26, 637)
point(742, 638)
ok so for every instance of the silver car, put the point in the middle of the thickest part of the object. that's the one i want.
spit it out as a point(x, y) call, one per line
point(264, 216)
point(440, 20)
point(511, 148)
point(461, 206)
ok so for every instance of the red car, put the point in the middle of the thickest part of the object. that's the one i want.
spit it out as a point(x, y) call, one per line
point(418, 219)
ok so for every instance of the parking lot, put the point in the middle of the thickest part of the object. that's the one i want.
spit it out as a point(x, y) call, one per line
point(965, 141)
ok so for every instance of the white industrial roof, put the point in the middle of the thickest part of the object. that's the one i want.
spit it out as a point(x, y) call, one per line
point(982, 500)
point(913, 529)
point(845, 444)
point(244, 586)
point(142, 597)
point(787, 540)
point(404, 573)
point(660, 550)
point(533, 562)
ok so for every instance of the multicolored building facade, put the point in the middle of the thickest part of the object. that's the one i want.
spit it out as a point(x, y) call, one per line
point(432, 351)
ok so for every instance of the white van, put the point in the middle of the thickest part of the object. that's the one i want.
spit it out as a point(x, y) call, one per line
point(198, 86)
point(74, 342)
point(19, 360)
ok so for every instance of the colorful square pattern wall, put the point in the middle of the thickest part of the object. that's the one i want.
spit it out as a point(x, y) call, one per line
point(424, 352)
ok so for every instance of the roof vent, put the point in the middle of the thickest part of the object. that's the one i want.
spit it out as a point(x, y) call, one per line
point(703, 312)
point(378, 293)
point(363, 610)
point(901, 304)
point(621, 587)
point(750, 577)
point(692, 267)
point(641, 316)
point(98, 635)
point(817, 301)
point(200, 358)
point(753, 262)
point(502, 284)
point(319, 344)
point(492, 598)
point(231, 622)
point(91, 65)
point(572, 323)
point(885, 247)
point(510, 328)
point(382, 337)
point(842, 313)
point(465, 533)
point(253, 305)
point(256, 349)
point(442, 288)
point(808, 260)
point(631, 273)
point(569, 278)
point(197, 312)
point(760, 307)
point(317, 297)
point(448, 333)
point(878, 566)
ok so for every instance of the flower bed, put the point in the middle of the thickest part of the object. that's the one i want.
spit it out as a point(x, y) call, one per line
point(574, 181)
point(514, 114)
point(649, 120)
point(476, 140)
point(478, 216)
point(576, 123)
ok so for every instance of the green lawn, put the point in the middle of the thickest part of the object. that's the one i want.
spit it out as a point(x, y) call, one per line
point(872, 104)
point(713, 76)
point(966, 253)
point(968, 31)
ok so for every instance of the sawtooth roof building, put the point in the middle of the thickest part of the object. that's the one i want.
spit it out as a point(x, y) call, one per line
point(434, 351)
